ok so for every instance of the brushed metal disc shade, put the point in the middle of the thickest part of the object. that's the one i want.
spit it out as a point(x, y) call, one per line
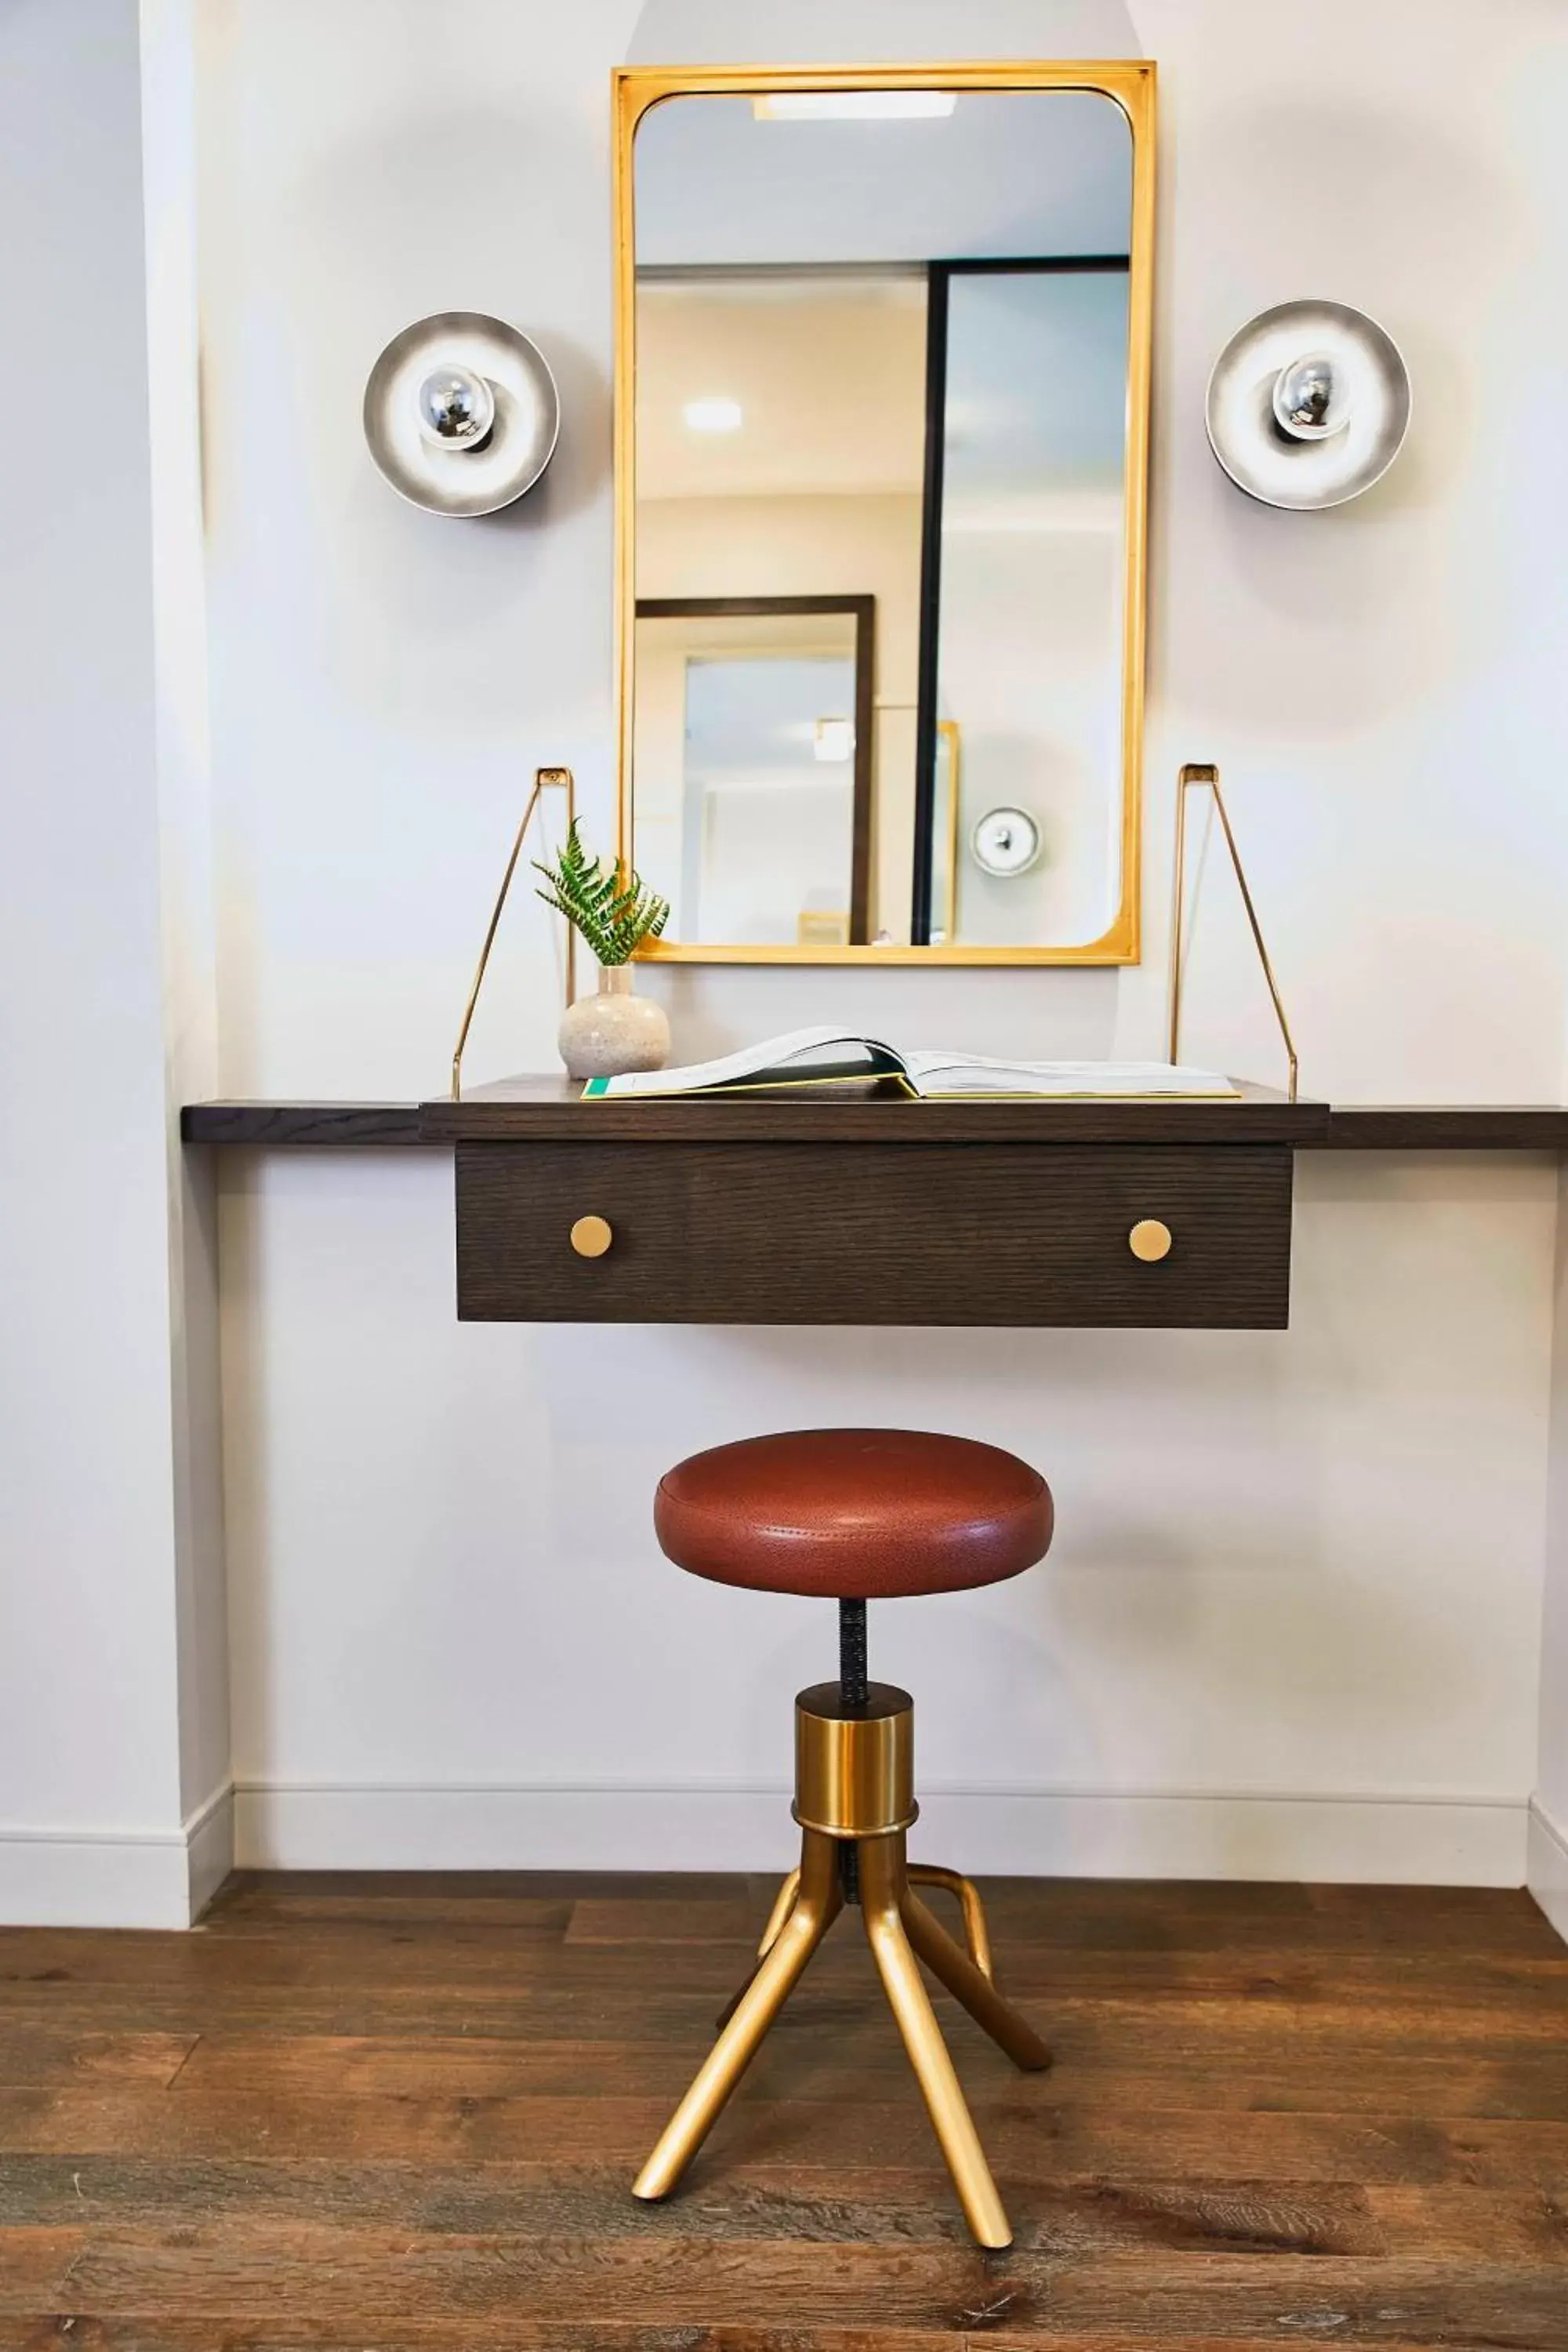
point(520, 444)
point(1264, 460)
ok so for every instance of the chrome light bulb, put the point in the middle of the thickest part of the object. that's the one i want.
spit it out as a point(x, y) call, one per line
point(1311, 398)
point(456, 408)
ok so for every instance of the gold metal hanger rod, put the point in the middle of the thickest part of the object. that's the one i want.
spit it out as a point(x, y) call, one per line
point(1203, 772)
point(543, 778)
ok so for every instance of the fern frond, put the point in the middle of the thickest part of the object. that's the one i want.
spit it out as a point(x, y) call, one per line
point(610, 909)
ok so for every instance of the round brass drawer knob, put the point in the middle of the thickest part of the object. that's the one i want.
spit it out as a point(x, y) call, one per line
point(1150, 1240)
point(592, 1236)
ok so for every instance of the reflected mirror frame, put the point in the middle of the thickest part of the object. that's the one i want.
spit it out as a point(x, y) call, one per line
point(1129, 83)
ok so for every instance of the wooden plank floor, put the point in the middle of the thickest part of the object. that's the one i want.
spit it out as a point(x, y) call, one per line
point(405, 2112)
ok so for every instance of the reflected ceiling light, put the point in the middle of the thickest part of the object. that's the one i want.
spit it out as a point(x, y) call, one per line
point(1308, 405)
point(713, 416)
point(834, 738)
point(853, 105)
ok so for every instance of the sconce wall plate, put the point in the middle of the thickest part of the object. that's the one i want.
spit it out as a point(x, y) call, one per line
point(1279, 390)
point(490, 469)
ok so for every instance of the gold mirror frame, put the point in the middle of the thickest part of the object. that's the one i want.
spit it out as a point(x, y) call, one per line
point(1129, 83)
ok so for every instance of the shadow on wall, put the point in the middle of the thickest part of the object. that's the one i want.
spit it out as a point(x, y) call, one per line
point(579, 471)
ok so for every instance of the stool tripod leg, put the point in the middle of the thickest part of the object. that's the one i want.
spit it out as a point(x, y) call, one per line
point(784, 1904)
point(815, 1908)
point(967, 1895)
point(882, 1889)
point(968, 1985)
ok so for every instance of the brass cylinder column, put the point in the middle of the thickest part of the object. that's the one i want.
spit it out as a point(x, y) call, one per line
point(855, 1767)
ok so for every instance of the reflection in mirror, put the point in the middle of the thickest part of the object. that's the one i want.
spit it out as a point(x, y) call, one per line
point(1028, 629)
point(878, 542)
point(752, 755)
point(942, 903)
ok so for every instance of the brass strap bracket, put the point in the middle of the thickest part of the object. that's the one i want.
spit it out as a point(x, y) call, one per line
point(1202, 772)
point(543, 780)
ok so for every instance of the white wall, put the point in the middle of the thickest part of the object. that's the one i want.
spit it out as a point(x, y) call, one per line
point(1376, 685)
point(1292, 1570)
point(1292, 1620)
point(113, 1731)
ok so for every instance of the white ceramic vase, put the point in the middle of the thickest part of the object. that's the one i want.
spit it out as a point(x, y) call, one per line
point(614, 1030)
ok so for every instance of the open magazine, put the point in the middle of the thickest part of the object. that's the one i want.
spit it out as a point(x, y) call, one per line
point(829, 1056)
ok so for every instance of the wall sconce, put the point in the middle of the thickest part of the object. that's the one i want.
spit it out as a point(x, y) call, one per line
point(461, 413)
point(1308, 405)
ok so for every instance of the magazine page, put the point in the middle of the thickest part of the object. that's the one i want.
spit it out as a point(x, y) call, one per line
point(799, 1057)
point(934, 1072)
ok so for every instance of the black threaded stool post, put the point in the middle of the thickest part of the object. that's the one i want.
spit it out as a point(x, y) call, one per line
point(851, 1693)
point(852, 1653)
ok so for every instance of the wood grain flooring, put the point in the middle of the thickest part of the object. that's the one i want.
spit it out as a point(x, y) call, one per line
point(388, 2112)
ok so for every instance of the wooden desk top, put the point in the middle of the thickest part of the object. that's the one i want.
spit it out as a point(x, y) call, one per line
point(550, 1108)
point(859, 1111)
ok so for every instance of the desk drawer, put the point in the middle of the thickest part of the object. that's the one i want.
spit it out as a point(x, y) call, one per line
point(872, 1233)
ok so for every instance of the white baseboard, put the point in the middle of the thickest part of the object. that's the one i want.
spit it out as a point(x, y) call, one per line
point(1548, 1866)
point(210, 1849)
point(117, 1878)
point(1093, 1833)
point(165, 1879)
point(152, 1878)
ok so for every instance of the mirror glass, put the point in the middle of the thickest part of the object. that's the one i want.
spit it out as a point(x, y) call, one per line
point(880, 532)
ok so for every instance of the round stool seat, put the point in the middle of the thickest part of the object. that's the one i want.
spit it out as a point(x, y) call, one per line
point(854, 1514)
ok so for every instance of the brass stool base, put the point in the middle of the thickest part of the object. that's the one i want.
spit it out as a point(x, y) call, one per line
point(854, 1772)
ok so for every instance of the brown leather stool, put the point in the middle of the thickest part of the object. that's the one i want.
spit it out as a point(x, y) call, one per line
point(853, 1515)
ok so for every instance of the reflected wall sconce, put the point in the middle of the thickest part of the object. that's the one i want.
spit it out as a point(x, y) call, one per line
point(461, 413)
point(1308, 405)
point(1004, 842)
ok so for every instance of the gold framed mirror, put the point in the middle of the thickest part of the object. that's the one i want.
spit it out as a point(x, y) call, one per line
point(882, 376)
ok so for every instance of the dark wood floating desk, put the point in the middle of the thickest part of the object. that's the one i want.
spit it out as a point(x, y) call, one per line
point(861, 1206)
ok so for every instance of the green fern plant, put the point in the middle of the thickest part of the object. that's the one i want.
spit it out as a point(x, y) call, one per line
point(611, 908)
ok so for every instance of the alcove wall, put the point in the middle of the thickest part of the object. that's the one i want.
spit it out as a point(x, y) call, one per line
point(1293, 1624)
point(1292, 1621)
